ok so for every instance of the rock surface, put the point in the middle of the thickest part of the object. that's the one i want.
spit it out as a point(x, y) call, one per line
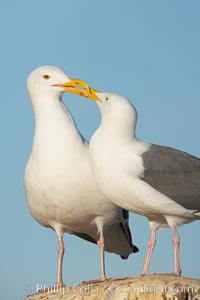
point(162, 287)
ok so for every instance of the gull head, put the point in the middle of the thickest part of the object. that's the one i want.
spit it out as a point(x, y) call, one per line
point(114, 106)
point(118, 115)
point(52, 81)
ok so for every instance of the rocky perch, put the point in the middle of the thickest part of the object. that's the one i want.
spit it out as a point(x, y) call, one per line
point(162, 287)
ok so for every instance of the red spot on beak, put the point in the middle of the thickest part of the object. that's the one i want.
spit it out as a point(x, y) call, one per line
point(81, 94)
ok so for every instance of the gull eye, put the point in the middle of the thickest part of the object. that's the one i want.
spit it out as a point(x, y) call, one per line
point(46, 76)
point(106, 98)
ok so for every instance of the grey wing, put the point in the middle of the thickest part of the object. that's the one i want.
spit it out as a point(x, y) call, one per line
point(117, 237)
point(173, 173)
point(126, 229)
point(118, 240)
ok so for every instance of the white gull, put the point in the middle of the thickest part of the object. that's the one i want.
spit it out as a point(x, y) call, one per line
point(158, 182)
point(60, 189)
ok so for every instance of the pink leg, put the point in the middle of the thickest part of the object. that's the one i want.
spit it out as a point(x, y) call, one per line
point(61, 250)
point(176, 242)
point(151, 246)
point(59, 283)
point(101, 248)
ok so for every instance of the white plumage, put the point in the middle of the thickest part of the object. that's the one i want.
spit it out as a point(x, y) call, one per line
point(158, 182)
point(60, 188)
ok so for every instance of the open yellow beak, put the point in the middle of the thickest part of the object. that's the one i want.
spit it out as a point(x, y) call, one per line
point(72, 84)
point(92, 94)
point(85, 91)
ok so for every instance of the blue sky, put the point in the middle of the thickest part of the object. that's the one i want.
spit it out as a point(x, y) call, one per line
point(145, 50)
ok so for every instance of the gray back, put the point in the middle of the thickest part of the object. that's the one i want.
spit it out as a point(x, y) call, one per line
point(173, 173)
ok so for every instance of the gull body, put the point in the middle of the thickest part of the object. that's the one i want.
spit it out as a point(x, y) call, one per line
point(60, 189)
point(158, 182)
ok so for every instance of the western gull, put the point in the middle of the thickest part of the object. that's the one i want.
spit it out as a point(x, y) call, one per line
point(60, 189)
point(158, 182)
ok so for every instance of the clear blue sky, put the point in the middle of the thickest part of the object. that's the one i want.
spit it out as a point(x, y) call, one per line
point(148, 51)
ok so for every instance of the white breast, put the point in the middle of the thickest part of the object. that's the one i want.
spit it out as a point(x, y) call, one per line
point(58, 180)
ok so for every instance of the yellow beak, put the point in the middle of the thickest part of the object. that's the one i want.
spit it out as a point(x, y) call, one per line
point(72, 84)
point(92, 94)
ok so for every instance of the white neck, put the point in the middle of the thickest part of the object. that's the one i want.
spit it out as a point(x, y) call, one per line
point(55, 129)
point(119, 126)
